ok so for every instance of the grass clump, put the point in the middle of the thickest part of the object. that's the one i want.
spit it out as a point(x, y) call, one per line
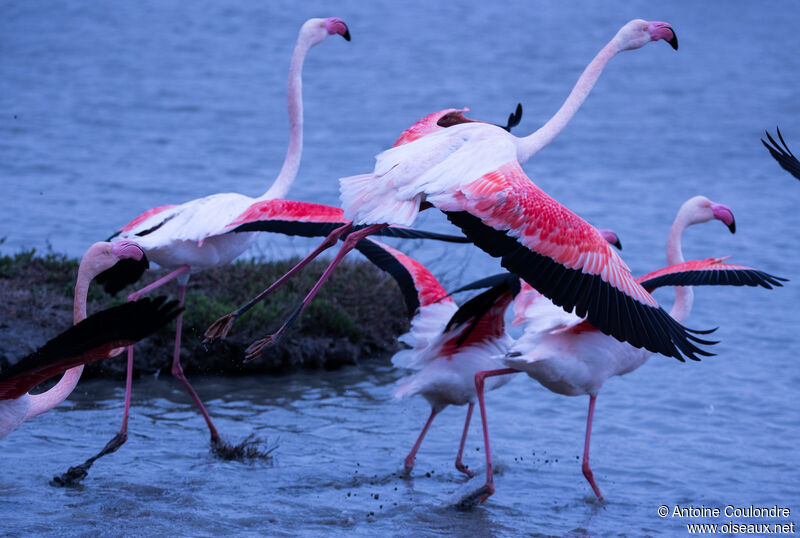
point(357, 315)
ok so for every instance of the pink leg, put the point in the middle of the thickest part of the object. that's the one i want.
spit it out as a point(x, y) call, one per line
point(177, 371)
point(122, 436)
point(459, 464)
point(349, 244)
point(488, 488)
point(221, 327)
point(409, 462)
point(587, 470)
point(128, 391)
point(74, 475)
point(136, 295)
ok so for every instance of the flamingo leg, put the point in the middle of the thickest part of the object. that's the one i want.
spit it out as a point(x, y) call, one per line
point(587, 470)
point(177, 371)
point(75, 474)
point(138, 294)
point(480, 377)
point(459, 464)
point(349, 244)
point(221, 327)
point(119, 439)
point(409, 461)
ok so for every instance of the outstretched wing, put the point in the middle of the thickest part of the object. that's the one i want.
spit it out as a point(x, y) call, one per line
point(562, 256)
point(708, 272)
point(90, 340)
point(148, 215)
point(426, 299)
point(483, 316)
point(418, 286)
point(780, 152)
point(306, 219)
point(288, 217)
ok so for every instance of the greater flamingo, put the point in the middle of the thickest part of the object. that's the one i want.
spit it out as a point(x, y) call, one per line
point(312, 220)
point(569, 356)
point(190, 236)
point(90, 339)
point(782, 154)
point(472, 173)
point(450, 344)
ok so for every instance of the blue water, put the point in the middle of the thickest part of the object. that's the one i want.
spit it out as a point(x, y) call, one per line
point(107, 110)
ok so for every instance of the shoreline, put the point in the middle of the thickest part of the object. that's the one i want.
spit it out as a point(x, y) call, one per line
point(357, 316)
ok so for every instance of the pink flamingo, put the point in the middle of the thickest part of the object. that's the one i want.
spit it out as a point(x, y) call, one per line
point(782, 154)
point(472, 172)
point(313, 220)
point(569, 356)
point(449, 345)
point(190, 236)
point(93, 338)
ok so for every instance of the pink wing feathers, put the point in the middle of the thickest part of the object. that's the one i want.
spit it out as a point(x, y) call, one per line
point(708, 272)
point(480, 319)
point(140, 219)
point(308, 219)
point(288, 217)
point(561, 255)
point(288, 210)
point(447, 118)
point(426, 299)
point(419, 287)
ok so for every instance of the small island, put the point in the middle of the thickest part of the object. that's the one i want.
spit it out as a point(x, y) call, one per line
point(358, 315)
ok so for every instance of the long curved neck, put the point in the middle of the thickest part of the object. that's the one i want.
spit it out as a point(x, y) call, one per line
point(532, 144)
point(684, 295)
point(41, 403)
point(294, 97)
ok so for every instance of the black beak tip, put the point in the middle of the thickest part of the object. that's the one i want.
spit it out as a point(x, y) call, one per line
point(346, 34)
point(732, 227)
point(618, 244)
point(674, 41)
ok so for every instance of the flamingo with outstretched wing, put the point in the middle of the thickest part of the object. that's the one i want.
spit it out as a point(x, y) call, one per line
point(472, 173)
point(569, 355)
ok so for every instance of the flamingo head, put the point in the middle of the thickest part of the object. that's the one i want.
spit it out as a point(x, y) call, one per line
point(114, 265)
point(337, 26)
point(701, 209)
point(611, 237)
point(314, 31)
point(638, 33)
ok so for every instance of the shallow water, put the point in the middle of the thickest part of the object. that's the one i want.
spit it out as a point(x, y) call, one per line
point(105, 113)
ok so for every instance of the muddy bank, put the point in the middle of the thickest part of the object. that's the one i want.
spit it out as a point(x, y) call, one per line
point(356, 316)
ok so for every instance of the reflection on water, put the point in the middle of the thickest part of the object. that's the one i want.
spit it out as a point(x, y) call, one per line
point(106, 112)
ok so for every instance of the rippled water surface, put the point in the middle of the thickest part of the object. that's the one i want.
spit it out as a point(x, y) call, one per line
point(109, 110)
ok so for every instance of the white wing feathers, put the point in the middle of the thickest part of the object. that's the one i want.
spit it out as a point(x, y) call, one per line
point(193, 221)
point(425, 335)
point(438, 163)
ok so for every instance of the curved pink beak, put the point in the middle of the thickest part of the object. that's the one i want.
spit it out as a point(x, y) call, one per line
point(662, 30)
point(337, 26)
point(724, 213)
point(127, 249)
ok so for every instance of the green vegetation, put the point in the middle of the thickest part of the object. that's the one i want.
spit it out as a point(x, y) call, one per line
point(357, 315)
